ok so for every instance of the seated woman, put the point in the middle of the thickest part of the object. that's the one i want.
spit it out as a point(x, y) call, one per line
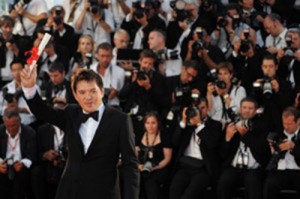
point(154, 154)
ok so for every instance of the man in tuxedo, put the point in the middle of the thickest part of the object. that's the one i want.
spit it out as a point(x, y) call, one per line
point(96, 136)
point(17, 154)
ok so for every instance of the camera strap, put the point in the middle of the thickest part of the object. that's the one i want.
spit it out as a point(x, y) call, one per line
point(149, 152)
point(73, 9)
point(224, 109)
point(13, 147)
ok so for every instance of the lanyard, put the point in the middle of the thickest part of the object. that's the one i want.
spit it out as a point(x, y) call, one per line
point(14, 146)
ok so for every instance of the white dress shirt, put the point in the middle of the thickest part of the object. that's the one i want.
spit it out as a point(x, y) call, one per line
point(288, 162)
point(278, 42)
point(58, 138)
point(251, 163)
point(193, 149)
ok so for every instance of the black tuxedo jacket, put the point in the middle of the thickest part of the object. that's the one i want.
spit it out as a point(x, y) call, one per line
point(210, 137)
point(93, 175)
point(27, 142)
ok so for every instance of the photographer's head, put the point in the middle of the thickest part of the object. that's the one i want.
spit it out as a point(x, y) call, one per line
point(189, 71)
point(104, 54)
point(248, 107)
point(225, 72)
point(147, 60)
point(121, 39)
point(273, 25)
point(57, 73)
point(12, 121)
point(290, 120)
point(246, 4)
point(157, 40)
point(6, 25)
point(294, 33)
point(269, 66)
point(16, 67)
point(192, 7)
point(152, 123)
point(57, 13)
point(203, 107)
point(151, 7)
point(88, 89)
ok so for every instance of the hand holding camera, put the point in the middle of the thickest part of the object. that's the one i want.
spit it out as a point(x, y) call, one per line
point(50, 155)
point(231, 130)
point(287, 145)
point(3, 167)
point(18, 166)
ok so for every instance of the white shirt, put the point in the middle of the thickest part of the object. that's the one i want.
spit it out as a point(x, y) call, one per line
point(35, 7)
point(68, 10)
point(289, 160)
point(118, 12)
point(251, 163)
point(93, 28)
point(88, 129)
point(173, 67)
point(193, 149)
point(14, 151)
point(58, 138)
point(114, 77)
point(25, 118)
point(137, 44)
point(279, 41)
point(6, 72)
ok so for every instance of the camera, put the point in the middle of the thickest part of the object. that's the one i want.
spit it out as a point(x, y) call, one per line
point(10, 167)
point(191, 112)
point(95, 7)
point(206, 4)
point(9, 97)
point(245, 42)
point(58, 19)
point(232, 113)
point(222, 22)
point(236, 20)
point(167, 55)
point(142, 74)
point(289, 50)
point(83, 63)
point(140, 10)
point(265, 86)
point(179, 8)
point(198, 45)
point(275, 141)
point(213, 77)
point(148, 166)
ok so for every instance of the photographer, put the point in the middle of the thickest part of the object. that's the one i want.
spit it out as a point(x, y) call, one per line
point(222, 94)
point(154, 154)
point(199, 48)
point(13, 95)
point(228, 27)
point(197, 161)
point(272, 92)
point(286, 150)
point(144, 92)
point(10, 48)
point(181, 29)
point(169, 60)
point(52, 155)
point(96, 21)
point(113, 76)
point(246, 59)
point(26, 13)
point(245, 152)
point(289, 59)
point(121, 41)
point(181, 90)
point(18, 150)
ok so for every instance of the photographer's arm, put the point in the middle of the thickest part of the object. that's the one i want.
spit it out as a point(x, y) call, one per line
point(34, 18)
point(80, 20)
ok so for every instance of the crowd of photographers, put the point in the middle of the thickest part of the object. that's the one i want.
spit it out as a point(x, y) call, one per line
point(212, 88)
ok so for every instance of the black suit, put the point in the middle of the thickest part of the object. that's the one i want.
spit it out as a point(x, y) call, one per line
point(232, 178)
point(94, 174)
point(188, 181)
point(17, 187)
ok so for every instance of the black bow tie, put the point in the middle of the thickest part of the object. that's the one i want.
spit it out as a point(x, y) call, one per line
point(93, 115)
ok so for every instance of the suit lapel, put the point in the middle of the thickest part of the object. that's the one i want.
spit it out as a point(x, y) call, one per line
point(76, 135)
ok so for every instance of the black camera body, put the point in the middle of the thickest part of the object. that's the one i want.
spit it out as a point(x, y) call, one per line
point(245, 42)
point(179, 7)
point(9, 97)
point(222, 22)
point(191, 112)
point(275, 141)
point(142, 74)
point(265, 86)
point(235, 118)
point(289, 50)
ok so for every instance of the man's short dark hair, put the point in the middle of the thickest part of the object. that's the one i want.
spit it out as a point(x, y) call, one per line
point(160, 32)
point(274, 17)
point(11, 112)
point(56, 66)
point(6, 20)
point(86, 75)
point(17, 61)
point(192, 64)
point(147, 54)
point(225, 65)
point(249, 99)
point(270, 57)
point(291, 111)
point(105, 46)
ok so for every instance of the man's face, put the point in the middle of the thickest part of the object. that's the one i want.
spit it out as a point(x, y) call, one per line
point(203, 109)
point(104, 57)
point(57, 77)
point(269, 68)
point(88, 95)
point(121, 41)
point(188, 74)
point(270, 27)
point(154, 41)
point(289, 124)
point(147, 63)
point(225, 75)
point(16, 70)
point(6, 29)
point(247, 110)
point(247, 4)
point(295, 39)
point(193, 10)
point(12, 125)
